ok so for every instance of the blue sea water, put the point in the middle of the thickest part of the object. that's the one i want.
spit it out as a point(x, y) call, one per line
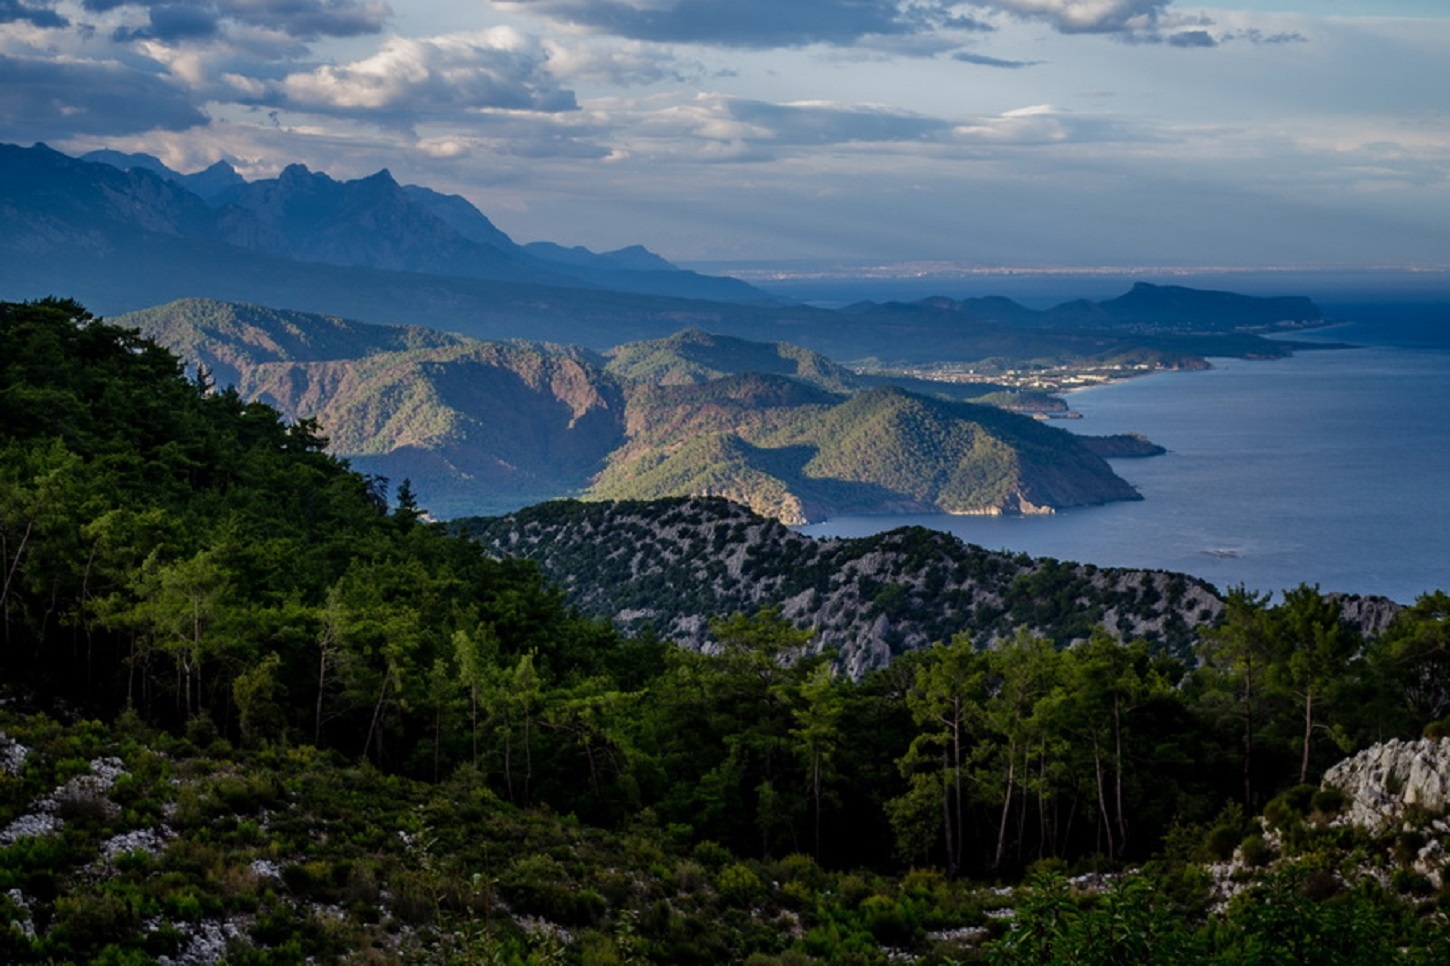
point(1331, 468)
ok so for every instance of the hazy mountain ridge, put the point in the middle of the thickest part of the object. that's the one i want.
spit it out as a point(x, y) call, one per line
point(375, 222)
point(694, 356)
point(1145, 307)
point(123, 240)
point(230, 337)
point(371, 223)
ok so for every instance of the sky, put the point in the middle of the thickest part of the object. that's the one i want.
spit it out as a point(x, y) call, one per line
point(1028, 133)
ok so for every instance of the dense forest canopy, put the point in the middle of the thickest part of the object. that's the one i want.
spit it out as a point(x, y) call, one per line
point(188, 564)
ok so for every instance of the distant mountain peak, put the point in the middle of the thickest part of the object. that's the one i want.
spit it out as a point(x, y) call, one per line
point(124, 161)
point(296, 173)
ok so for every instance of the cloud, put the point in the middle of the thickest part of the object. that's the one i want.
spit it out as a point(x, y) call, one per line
point(57, 99)
point(169, 21)
point(1086, 16)
point(911, 28)
point(172, 23)
point(1254, 36)
point(417, 79)
point(732, 23)
point(820, 123)
point(27, 11)
point(1191, 38)
point(984, 61)
point(715, 128)
point(618, 63)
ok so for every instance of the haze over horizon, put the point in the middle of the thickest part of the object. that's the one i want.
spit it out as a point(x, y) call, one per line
point(1032, 133)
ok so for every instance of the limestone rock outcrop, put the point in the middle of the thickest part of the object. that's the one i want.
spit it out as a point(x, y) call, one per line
point(1384, 781)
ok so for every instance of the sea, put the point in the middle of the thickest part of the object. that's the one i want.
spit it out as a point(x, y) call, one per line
point(1329, 468)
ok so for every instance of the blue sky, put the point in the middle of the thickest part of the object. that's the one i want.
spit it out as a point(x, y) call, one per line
point(1073, 133)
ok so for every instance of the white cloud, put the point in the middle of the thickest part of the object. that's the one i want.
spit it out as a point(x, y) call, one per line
point(617, 63)
point(1086, 16)
point(409, 80)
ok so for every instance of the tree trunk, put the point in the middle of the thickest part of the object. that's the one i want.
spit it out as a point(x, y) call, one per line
point(1103, 802)
point(946, 818)
point(957, 781)
point(1118, 773)
point(1006, 807)
point(375, 724)
point(1308, 733)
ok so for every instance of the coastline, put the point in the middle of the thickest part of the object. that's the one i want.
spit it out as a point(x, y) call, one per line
point(1268, 464)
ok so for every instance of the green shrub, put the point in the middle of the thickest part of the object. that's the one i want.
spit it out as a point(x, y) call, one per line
point(1408, 882)
point(1407, 847)
point(739, 885)
point(889, 922)
point(799, 868)
point(538, 885)
point(1256, 851)
point(1221, 842)
point(712, 855)
point(85, 921)
point(1328, 801)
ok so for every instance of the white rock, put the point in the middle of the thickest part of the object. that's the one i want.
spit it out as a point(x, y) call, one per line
point(1382, 781)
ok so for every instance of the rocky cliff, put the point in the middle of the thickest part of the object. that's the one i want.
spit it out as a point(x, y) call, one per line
point(1384, 782)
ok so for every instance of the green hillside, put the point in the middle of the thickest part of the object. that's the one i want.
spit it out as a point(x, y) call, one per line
point(473, 425)
point(881, 450)
point(484, 427)
point(229, 337)
point(693, 356)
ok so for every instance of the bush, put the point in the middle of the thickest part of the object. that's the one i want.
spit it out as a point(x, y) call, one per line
point(1255, 851)
point(890, 924)
point(538, 885)
point(1408, 882)
point(1407, 847)
point(1328, 801)
point(85, 920)
point(739, 885)
point(1221, 842)
point(712, 855)
point(799, 868)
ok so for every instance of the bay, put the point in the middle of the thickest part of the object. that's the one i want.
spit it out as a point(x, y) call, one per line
point(1330, 467)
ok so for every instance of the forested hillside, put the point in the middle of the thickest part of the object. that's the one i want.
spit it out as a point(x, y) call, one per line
point(795, 453)
point(671, 565)
point(253, 709)
point(485, 427)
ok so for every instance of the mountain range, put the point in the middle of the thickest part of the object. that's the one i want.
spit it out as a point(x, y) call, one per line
point(308, 217)
point(124, 232)
point(482, 427)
